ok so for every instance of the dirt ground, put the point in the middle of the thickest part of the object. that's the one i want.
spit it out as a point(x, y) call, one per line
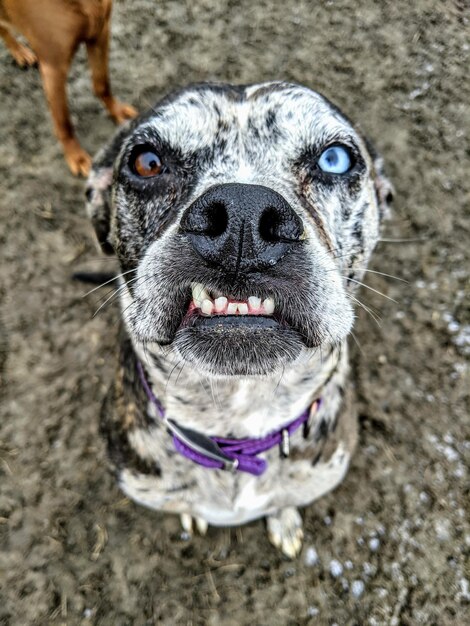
point(391, 545)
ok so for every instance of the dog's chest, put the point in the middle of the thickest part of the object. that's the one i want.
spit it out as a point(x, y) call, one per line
point(226, 498)
point(222, 498)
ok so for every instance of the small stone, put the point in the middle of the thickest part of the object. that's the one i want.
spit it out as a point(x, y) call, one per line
point(424, 498)
point(374, 544)
point(450, 453)
point(443, 530)
point(336, 569)
point(357, 588)
point(311, 557)
point(464, 594)
point(368, 569)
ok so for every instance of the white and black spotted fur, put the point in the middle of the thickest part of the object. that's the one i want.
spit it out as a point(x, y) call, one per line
point(236, 381)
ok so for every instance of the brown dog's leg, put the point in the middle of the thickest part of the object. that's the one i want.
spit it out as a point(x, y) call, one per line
point(98, 60)
point(21, 53)
point(54, 79)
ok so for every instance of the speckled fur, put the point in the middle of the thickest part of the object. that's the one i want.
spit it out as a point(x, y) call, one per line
point(235, 386)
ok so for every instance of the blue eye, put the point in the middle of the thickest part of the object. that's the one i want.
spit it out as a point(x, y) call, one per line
point(335, 160)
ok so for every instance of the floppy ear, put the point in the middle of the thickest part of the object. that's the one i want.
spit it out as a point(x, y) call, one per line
point(384, 189)
point(99, 188)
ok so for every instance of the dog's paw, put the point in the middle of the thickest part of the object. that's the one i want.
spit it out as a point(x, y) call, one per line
point(78, 160)
point(121, 112)
point(23, 55)
point(285, 531)
point(187, 524)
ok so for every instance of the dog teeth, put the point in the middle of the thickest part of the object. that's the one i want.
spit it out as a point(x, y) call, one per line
point(219, 304)
point(207, 306)
point(254, 302)
point(199, 294)
point(268, 306)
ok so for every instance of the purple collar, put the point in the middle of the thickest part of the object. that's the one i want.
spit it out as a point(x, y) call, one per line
point(221, 453)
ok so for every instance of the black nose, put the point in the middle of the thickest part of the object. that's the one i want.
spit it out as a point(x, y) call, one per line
point(242, 227)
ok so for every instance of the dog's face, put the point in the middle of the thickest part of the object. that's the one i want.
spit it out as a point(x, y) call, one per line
point(242, 216)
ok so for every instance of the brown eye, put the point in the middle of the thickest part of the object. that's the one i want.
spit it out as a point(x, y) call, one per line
point(147, 163)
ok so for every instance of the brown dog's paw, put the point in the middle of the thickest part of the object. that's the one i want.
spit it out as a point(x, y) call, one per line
point(23, 55)
point(120, 112)
point(78, 160)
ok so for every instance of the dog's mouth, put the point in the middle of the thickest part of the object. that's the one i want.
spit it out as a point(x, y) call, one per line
point(210, 305)
point(228, 335)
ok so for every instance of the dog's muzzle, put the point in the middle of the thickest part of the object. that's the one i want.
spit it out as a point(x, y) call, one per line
point(242, 227)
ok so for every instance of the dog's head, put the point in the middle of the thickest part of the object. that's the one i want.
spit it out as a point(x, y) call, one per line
point(241, 217)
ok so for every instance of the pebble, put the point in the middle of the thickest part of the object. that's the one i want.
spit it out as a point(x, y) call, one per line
point(336, 569)
point(357, 588)
point(374, 544)
point(311, 557)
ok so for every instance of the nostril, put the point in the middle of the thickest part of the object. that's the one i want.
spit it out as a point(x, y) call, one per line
point(206, 218)
point(269, 225)
point(216, 219)
point(276, 225)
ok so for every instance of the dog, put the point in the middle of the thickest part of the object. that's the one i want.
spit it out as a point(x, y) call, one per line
point(54, 29)
point(242, 218)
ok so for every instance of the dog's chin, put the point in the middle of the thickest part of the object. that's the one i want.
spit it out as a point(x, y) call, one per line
point(235, 346)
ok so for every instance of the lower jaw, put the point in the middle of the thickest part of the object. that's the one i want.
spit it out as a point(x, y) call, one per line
point(231, 322)
point(234, 346)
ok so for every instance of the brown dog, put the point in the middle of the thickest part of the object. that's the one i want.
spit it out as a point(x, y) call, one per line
point(54, 29)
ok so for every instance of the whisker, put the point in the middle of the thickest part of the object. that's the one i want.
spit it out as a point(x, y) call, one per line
point(356, 341)
point(171, 372)
point(107, 282)
point(410, 240)
point(279, 381)
point(180, 372)
point(358, 282)
point(118, 291)
point(403, 280)
point(201, 382)
point(214, 399)
point(373, 315)
point(104, 304)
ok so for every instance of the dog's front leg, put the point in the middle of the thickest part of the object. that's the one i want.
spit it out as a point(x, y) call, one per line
point(21, 53)
point(98, 60)
point(54, 76)
point(285, 531)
